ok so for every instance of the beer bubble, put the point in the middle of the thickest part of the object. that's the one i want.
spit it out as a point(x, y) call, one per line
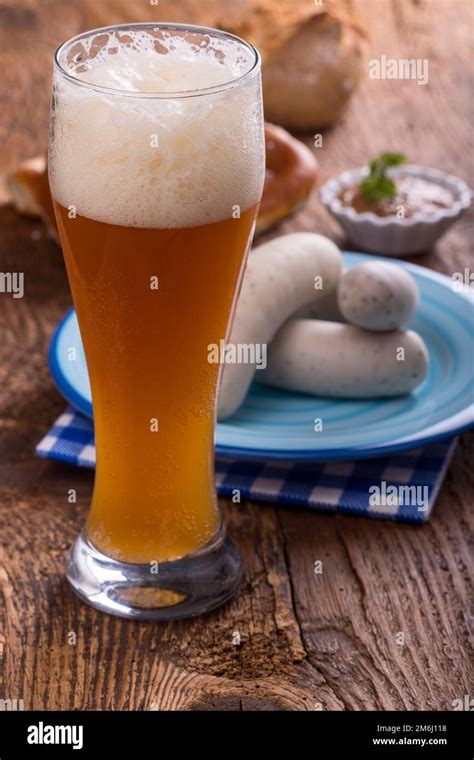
point(210, 148)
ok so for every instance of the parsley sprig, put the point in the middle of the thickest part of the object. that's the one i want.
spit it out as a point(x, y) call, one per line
point(377, 186)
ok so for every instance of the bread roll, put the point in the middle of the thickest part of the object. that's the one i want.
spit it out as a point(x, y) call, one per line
point(313, 55)
point(310, 78)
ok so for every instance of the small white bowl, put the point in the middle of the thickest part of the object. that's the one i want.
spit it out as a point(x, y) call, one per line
point(392, 235)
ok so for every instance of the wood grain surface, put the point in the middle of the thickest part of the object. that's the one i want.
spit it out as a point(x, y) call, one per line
point(308, 641)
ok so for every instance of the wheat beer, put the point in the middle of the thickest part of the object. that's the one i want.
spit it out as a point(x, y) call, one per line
point(156, 171)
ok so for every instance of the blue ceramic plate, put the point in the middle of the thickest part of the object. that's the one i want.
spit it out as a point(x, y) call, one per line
point(274, 424)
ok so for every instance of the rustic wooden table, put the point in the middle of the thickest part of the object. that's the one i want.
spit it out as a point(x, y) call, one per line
point(307, 641)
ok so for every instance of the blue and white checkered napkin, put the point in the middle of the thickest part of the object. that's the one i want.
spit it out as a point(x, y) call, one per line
point(346, 487)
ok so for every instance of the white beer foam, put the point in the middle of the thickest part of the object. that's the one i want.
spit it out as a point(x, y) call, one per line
point(157, 162)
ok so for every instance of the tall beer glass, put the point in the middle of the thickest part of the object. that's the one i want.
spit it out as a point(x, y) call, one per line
point(156, 164)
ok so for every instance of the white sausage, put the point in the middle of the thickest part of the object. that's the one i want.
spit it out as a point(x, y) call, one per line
point(377, 295)
point(326, 307)
point(344, 361)
point(281, 276)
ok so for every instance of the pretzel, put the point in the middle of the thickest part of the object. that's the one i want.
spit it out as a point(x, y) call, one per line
point(29, 192)
point(290, 175)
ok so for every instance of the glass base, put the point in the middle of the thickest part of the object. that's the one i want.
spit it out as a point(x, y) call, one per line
point(186, 587)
